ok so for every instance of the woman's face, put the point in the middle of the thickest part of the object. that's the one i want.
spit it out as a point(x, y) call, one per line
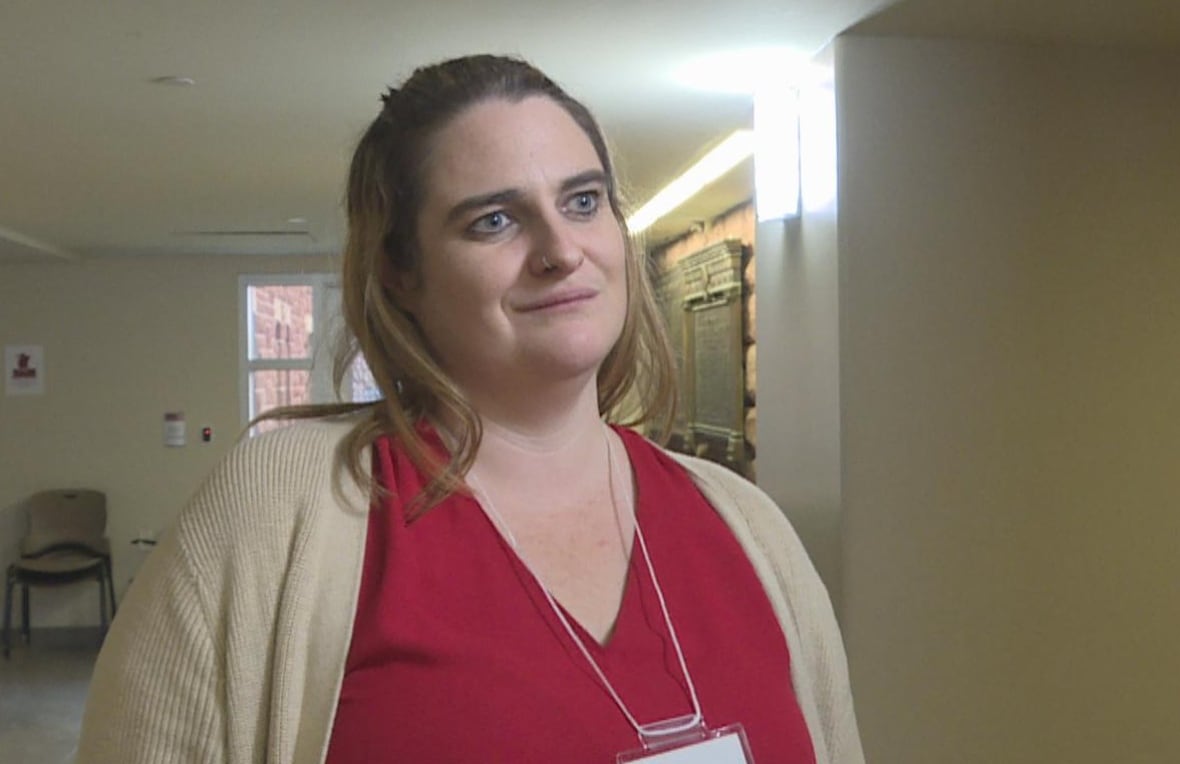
point(523, 268)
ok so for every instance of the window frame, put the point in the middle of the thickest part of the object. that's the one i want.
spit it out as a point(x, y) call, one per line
point(318, 363)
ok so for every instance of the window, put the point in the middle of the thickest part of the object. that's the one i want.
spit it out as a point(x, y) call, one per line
point(289, 325)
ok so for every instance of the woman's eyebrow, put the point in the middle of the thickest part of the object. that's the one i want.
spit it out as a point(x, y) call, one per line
point(507, 195)
point(584, 178)
point(483, 200)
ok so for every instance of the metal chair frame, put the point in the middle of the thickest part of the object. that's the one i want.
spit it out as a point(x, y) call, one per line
point(25, 573)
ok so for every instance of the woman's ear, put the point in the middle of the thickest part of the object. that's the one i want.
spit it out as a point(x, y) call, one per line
point(401, 285)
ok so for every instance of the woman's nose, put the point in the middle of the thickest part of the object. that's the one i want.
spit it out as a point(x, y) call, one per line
point(555, 248)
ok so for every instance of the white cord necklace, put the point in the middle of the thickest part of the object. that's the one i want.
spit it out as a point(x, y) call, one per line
point(648, 731)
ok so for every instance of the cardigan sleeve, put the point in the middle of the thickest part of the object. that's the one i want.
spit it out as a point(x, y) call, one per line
point(155, 697)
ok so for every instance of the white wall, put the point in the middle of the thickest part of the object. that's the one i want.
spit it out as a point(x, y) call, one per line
point(798, 383)
point(1009, 350)
point(798, 347)
point(125, 340)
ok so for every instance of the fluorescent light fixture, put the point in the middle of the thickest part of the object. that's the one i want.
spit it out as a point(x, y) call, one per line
point(174, 81)
point(817, 141)
point(727, 155)
point(784, 84)
point(776, 156)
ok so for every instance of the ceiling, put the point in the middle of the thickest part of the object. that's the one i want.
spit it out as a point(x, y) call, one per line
point(96, 159)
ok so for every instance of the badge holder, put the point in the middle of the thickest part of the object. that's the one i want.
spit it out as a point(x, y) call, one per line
point(686, 740)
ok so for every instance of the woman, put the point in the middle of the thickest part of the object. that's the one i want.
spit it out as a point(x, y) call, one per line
point(478, 568)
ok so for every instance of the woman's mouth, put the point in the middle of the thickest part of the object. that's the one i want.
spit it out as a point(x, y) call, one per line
point(558, 299)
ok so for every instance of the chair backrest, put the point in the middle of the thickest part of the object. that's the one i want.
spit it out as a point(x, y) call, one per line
point(65, 515)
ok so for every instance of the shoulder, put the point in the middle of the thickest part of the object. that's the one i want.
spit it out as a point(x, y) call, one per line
point(284, 452)
point(706, 474)
point(761, 527)
point(729, 491)
point(714, 475)
point(758, 522)
point(267, 488)
point(718, 483)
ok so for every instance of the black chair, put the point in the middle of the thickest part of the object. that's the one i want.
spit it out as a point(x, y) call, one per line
point(66, 543)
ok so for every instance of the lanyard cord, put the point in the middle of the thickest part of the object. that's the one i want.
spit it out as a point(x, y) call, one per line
point(656, 729)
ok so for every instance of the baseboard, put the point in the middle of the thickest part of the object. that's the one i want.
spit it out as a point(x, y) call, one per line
point(58, 637)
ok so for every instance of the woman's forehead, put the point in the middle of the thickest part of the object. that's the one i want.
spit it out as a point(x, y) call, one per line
point(500, 143)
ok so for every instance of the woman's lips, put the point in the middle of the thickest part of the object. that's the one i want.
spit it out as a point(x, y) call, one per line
point(558, 299)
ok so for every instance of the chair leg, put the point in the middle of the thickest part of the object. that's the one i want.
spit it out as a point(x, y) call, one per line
point(24, 613)
point(111, 588)
point(102, 607)
point(9, 583)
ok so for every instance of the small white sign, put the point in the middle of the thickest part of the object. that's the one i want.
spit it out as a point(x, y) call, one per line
point(174, 429)
point(24, 370)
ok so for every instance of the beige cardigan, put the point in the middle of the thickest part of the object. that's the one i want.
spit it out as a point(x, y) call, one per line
point(230, 646)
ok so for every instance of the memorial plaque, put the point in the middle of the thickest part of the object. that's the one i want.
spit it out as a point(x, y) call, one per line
point(713, 298)
point(701, 299)
point(717, 338)
point(717, 429)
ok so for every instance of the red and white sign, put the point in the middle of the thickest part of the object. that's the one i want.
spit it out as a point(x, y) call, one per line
point(24, 370)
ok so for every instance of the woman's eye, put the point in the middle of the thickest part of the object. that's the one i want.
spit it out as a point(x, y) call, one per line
point(583, 203)
point(493, 222)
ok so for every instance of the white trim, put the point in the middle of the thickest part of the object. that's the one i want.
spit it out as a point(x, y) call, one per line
point(244, 328)
point(278, 364)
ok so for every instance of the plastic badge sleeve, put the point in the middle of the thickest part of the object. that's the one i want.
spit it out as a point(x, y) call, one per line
point(725, 745)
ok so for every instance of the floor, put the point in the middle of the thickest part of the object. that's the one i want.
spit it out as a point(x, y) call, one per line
point(42, 693)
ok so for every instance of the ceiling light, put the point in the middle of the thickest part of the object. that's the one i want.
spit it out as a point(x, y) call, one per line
point(727, 155)
point(174, 81)
point(297, 220)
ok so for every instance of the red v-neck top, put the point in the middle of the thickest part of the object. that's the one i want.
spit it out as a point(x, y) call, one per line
point(457, 657)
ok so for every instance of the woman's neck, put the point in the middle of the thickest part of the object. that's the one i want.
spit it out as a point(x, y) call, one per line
point(540, 432)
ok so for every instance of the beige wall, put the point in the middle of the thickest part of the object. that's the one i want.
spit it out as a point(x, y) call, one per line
point(1009, 350)
point(125, 340)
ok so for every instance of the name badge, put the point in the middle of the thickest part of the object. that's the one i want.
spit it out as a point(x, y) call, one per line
point(726, 745)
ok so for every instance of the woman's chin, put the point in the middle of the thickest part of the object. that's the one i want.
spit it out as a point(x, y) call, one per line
point(568, 363)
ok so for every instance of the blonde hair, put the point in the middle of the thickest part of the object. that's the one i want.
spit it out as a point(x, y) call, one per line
point(383, 200)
